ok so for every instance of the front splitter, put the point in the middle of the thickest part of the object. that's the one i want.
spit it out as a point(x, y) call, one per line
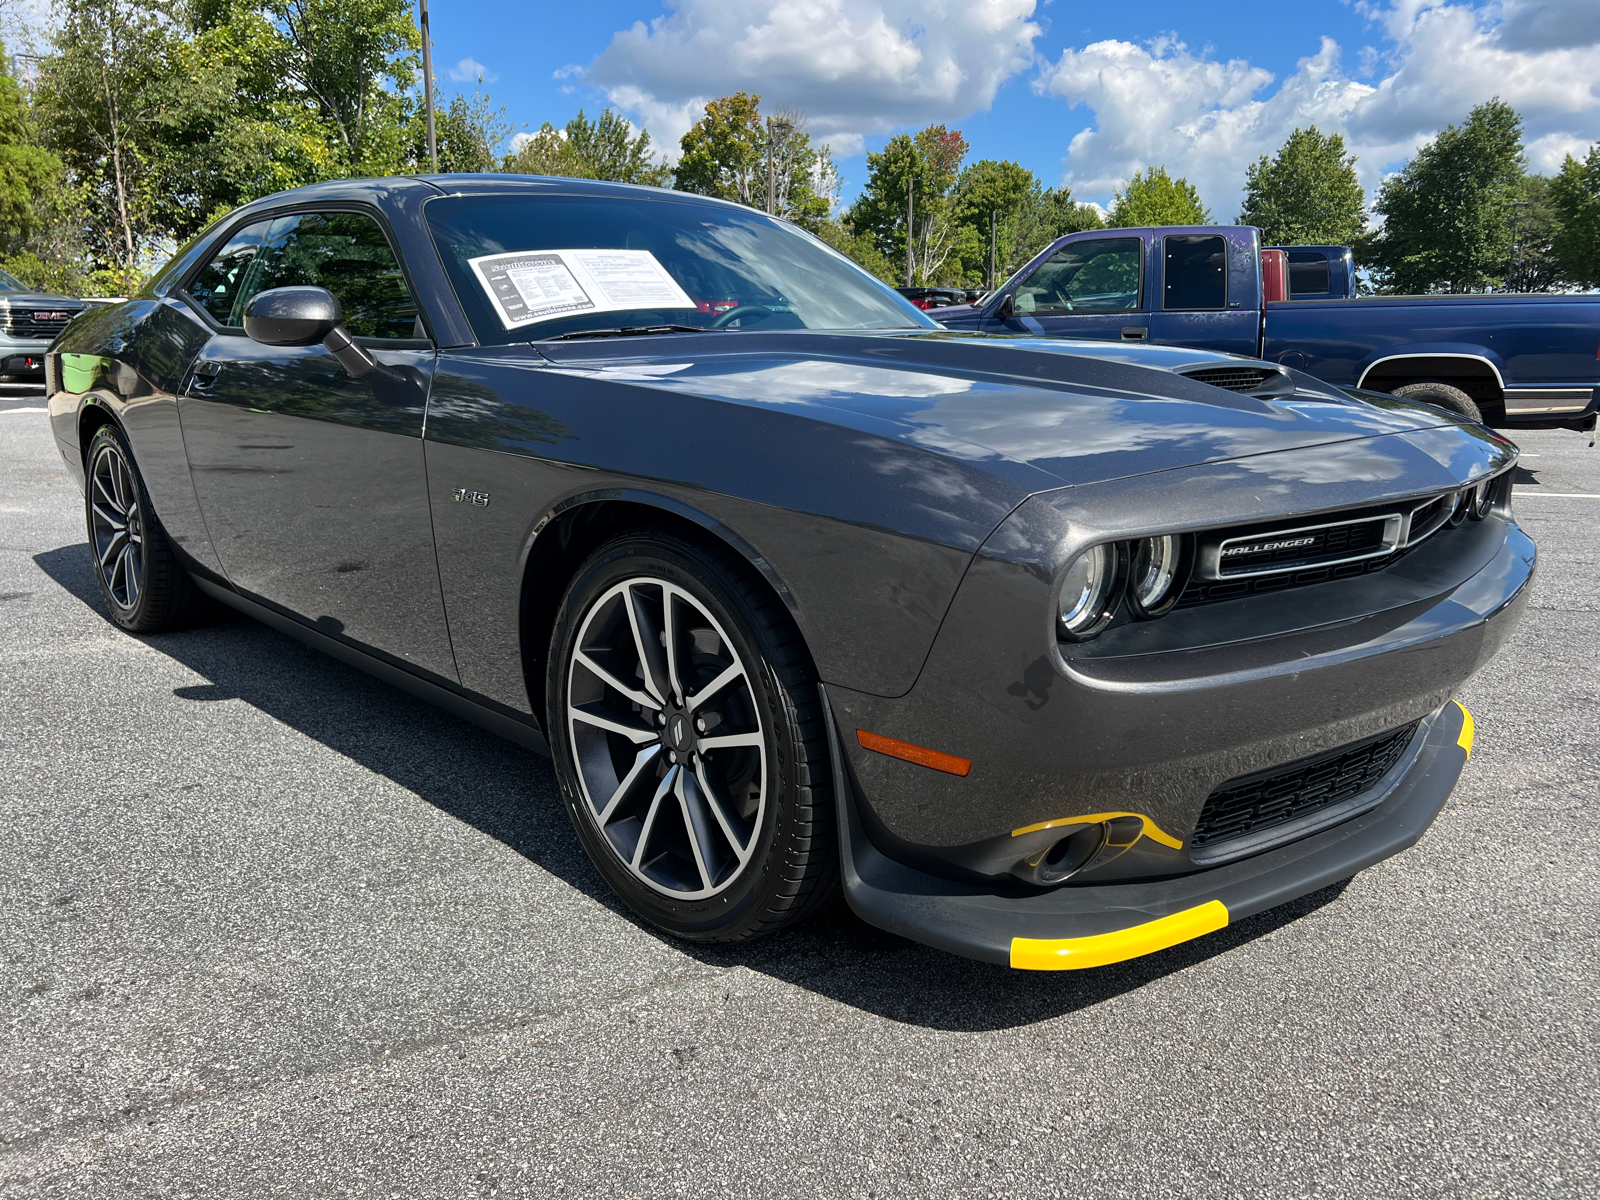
point(1073, 927)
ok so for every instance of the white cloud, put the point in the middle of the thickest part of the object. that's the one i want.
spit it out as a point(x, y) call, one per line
point(1207, 120)
point(855, 67)
point(470, 70)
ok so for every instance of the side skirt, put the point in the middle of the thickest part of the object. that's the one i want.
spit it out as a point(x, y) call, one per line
point(511, 728)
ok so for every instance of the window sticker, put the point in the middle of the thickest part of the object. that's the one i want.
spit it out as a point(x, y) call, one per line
point(529, 286)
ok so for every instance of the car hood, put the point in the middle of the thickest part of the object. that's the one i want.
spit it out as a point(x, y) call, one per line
point(1039, 412)
point(39, 300)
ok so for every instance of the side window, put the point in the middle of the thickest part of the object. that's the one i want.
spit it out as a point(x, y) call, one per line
point(217, 287)
point(1196, 271)
point(1308, 274)
point(347, 254)
point(1097, 275)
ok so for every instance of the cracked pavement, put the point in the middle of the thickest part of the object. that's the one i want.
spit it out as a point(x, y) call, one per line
point(271, 928)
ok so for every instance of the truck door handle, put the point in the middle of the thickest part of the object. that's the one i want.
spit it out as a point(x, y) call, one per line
point(207, 370)
point(1134, 333)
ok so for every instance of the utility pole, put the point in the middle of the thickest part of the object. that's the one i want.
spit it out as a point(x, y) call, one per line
point(427, 85)
point(1515, 281)
point(911, 191)
point(777, 127)
point(993, 249)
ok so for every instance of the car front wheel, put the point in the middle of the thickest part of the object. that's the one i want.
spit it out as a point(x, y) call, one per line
point(689, 740)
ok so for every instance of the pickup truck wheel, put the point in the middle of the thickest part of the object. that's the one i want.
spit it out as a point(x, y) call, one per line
point(1440, 395)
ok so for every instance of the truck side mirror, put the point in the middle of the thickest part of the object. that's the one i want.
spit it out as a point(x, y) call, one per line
point(1006, 309)
point(304, 316)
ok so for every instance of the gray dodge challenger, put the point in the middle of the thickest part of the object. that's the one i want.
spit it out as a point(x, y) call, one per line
point(1048, 653)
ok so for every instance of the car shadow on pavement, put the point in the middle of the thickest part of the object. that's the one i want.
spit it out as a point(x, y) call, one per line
point(511, 795)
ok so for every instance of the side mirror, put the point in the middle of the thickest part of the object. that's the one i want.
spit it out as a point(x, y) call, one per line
point(292, 316)
point(1006, 309)
point(305, 316)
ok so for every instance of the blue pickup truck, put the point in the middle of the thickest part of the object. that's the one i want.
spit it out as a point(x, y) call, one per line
point(1510, 361)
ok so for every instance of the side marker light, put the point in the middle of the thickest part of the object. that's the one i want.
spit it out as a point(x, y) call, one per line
point(950, 764)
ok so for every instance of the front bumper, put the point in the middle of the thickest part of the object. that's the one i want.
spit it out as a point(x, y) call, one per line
point(21, 358)
point(1088, 926)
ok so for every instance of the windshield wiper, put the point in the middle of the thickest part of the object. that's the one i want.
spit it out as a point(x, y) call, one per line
point(634, 331)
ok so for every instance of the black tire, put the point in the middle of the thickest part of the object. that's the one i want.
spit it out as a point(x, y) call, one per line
point(145, 588)
point(773, 790)
point(1440, 395)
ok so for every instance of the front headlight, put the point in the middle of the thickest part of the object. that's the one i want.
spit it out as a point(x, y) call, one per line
point(1088, 592)
point(1156, 564)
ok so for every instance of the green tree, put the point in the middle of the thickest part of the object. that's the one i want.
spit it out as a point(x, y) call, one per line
point(906, 206)
point(606, 148)
point(724, 153)
point(36, 231)
point(99, 103)
point(28, 172)
point(804, 184)
point(1308, 194)
point(1574, 195)
point(730, 152)
point(1048, 214)
point(989, 199)
point(861, 247)
point(546, 152)
point(609, 149)
point(469, 133)
point(1534, 265)
point(1447, 215)
point(356, 60)
point(236, 128)
point(1153, 197)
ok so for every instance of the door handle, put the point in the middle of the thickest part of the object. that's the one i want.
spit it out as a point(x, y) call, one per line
point(1134, 333)
point(207, 370)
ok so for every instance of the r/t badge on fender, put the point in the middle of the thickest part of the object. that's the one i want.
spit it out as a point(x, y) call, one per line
point(463, 496)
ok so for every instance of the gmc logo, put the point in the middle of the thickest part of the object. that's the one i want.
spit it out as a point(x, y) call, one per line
point(52, 316)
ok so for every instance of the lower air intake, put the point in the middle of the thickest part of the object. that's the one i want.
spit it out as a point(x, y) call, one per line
point(1285, 794)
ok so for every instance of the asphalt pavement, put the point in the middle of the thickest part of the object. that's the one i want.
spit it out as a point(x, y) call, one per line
point(271, 928)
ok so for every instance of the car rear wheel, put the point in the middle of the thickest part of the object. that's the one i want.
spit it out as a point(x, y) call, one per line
point(689, 740)
point(146, 589)
point(1441, 395)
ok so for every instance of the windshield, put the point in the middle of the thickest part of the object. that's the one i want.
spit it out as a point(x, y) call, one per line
point(528, 268)
point(10, 283)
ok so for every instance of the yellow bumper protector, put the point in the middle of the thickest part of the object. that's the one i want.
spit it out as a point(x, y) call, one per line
point(1070, 954)
point(1468, 728)
point(1151, 829)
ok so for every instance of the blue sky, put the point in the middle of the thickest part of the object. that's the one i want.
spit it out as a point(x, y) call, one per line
point(1200, 88)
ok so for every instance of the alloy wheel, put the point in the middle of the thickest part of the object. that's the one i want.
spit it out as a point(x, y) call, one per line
point(667, 739)
point(117, 526)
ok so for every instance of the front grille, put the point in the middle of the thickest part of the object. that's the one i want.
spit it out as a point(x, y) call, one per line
point(23, 323)
point(1285, 794)
point(1235, 379)
point(1301, 547)
point(1204, 591)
